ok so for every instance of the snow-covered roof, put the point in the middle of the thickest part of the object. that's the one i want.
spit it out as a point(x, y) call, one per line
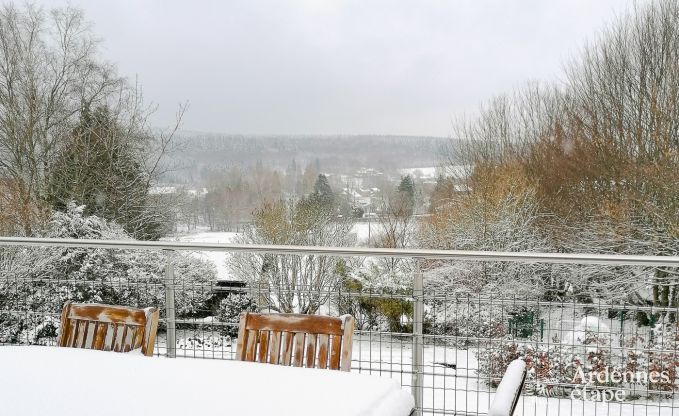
point(162, 190)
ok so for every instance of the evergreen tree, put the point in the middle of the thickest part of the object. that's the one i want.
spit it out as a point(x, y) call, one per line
point(406, 193)
point(100, 168)
point(323, 196)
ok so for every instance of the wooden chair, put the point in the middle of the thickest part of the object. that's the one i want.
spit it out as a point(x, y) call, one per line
point(107, 327)
point(301, 340)
point(508, 392)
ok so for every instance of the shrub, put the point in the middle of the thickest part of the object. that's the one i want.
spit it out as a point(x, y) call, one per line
point(466, 321)
point(229, 311)
point(552, 368)
point(386, 309)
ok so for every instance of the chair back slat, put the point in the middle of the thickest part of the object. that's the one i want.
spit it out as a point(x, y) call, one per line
point(335, 346)
point(128, 345)
point(82, 333)
point(88, 340)
point(252, 343)
point(310, 350)
point(298, 340)
point(108, 328)
point(323, 350)
point(138, 339)
point(110, 337)
point(275, 348)
point(115, 336)
point(120, 336)
point(287, 348)
point(100, 336)
point(263, 346)
point(298, 353)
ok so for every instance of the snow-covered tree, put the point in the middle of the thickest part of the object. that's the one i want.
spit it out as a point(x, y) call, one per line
point(100, 165)
point(501, 214)
point(622, 234)
point(52, 75)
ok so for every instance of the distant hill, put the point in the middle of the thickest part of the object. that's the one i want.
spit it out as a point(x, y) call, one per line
point(335, 154)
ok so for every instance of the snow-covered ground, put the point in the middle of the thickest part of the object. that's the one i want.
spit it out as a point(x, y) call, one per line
point(363, 231)
point(216, 257)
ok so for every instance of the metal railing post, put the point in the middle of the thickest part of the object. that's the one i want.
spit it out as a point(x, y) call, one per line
point(417, 388)
point(171, 339)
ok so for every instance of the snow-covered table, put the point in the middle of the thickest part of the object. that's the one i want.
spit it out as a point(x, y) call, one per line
point(63, 381)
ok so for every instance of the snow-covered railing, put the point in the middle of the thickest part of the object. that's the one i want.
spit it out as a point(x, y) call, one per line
point(414, 365)
point(521, 257)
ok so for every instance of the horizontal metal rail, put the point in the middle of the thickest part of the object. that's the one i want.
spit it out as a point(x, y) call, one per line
point(495, 256)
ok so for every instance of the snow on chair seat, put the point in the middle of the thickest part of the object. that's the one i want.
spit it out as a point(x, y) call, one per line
point(108, 327)
point(509, 390)
point(281, 339)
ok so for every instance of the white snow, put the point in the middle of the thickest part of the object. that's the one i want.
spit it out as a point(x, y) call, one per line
point(64, 381)
point(508, 389)
point(216, 257)
point(594, 324)
point(363, 231)
point(427, 172)
point(459, 389)
point(588, 325)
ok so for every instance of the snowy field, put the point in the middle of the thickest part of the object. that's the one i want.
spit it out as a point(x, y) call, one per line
point(218, 258)
point(363, 231)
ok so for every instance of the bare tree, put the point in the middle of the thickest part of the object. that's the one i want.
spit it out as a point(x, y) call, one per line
point(292, 283)
point(48, 70)
point(501, 215)
point(600, 151)
point(396, 229)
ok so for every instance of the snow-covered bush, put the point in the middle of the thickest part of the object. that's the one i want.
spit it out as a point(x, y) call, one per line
point(549, 368)
point(28, 329)
point(386, 309)
point(229, 311)
point(662, 354)
point(465, 320)
point(40, 280)
point(588, 357)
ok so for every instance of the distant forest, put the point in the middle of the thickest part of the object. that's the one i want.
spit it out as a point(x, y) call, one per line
point(199, 153)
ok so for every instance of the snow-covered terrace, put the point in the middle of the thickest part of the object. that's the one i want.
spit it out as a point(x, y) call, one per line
point(448, 370)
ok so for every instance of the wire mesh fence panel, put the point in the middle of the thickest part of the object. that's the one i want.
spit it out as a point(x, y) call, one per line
point(583, 357)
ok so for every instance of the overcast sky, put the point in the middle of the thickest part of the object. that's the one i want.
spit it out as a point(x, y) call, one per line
point(340, 67)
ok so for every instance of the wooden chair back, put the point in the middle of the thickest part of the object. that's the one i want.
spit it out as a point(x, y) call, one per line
point(108, 327)
point(298, 340)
